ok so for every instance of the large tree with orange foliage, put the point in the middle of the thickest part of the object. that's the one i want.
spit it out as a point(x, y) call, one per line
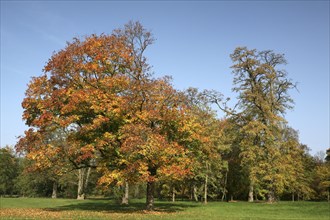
point(114, 114)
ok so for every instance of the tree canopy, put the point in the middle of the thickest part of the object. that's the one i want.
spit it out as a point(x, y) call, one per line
point(98, 106)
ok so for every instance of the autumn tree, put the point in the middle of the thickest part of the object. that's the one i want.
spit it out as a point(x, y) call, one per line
point(137, 39)
point(77, 94)
point(149, 142)
point(115, 115)
point(263, 99)
point(206, 141)
point(296, 178)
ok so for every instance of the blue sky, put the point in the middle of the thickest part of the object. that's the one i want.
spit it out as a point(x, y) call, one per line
point(194, 41)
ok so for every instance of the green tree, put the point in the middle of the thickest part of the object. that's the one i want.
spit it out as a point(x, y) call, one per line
point(31, 183)
point(9, 170)
point(322, 177)
point(327, 158)
point(237, 181)
point(297, 179)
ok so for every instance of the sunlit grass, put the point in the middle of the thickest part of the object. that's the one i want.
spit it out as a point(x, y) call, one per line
point(38, 208)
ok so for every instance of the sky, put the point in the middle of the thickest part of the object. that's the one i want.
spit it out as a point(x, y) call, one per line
point(193, 42)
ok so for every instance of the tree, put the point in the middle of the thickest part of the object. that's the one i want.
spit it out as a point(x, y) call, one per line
point(9, 170)
point(327, 158)
point(115, 116)
point(137, 39)
point(77, 94)
point(149, 146)
point(33, 183)
point(206, 144)
point(322, 177)
point(296, 178)
point(237, 183)
point(45, 155)
point(263, 99)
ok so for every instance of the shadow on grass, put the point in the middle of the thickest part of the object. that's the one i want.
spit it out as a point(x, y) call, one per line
point(134, 207)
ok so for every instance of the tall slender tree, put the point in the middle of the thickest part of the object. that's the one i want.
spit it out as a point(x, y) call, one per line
point(263, 99)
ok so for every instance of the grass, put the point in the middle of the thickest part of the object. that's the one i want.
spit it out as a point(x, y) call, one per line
point(41, 208)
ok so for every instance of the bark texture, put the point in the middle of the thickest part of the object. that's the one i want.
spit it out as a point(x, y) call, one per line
point(54, 194)
point(83, 177)
point(124, 200)
point(250, 193)
point(205, 189)
point(150, 195)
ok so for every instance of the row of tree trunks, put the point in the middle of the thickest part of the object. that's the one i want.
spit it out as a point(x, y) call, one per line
point(292, 197)
point(84, 173)
point(83, 177)
point(270, 195)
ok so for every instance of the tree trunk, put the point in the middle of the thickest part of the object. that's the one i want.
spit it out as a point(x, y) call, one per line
point(124, 200)
point(328, 194)
point(150, 195)
point(251, 193)
point(136, 191)
point(173, 194)
point(271, 196)
point(83, 177)
point(54, 194)
point(81, 193)
point(182, 192)
point(87, 177)
point(205, 190)
point(224, 188)
point(293, 197)
point(195, 193)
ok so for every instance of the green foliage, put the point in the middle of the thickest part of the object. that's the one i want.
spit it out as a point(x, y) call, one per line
point(34, 185)
point(322, 179)
point(327, 158)
point(9, 170)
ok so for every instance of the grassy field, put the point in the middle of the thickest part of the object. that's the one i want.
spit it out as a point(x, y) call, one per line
point(37, 208)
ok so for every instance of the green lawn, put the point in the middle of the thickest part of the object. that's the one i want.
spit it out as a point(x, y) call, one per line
point(37, 208)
